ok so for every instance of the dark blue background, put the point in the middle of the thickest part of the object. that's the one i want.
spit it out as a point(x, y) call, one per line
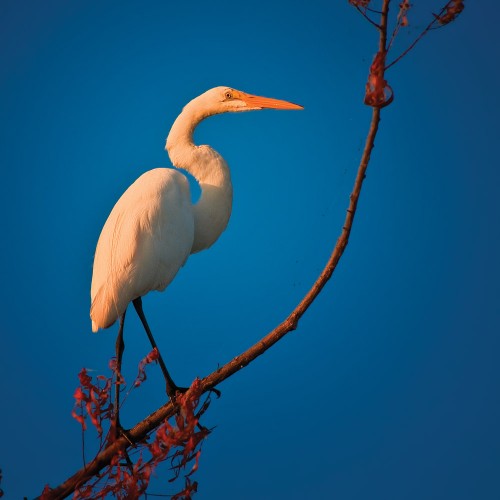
point(389, 387)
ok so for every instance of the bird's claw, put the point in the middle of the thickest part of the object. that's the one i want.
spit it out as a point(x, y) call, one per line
point(216, 392)
point(172, 392)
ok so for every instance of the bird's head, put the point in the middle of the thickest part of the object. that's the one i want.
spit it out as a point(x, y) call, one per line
point(227, 99)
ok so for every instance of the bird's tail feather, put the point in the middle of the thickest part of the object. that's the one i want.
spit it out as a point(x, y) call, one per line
point(106, 308)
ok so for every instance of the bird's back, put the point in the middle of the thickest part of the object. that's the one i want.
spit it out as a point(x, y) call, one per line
point(145, 240)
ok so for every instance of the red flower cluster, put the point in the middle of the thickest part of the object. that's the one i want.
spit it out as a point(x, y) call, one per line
point(184, 435)
point(451, 11)
point(124, 480)
point(362, 4)
point(378, 92)
point(404, 7)
point(94, 399)
point(180, 443)
point(187, 492)
point(141, 376)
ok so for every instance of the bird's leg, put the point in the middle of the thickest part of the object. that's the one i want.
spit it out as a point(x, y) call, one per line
point(120, 347)
point(172, 388)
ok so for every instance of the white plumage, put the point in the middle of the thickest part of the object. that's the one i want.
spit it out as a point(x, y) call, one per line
point(137, 251)
point(154, 226)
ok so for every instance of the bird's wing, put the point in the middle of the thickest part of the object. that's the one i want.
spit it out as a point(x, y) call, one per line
point(146, 239)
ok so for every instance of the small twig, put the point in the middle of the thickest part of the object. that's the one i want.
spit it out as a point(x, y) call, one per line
point(374, 10)
point(365, 15)
point(395, 33)
point(83, 441)
point(419, 37)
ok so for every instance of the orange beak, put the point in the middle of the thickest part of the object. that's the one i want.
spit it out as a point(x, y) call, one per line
point(258, 102)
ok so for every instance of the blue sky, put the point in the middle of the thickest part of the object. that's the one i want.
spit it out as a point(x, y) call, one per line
point(389, 387)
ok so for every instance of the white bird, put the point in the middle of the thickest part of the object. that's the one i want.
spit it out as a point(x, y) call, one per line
point(154, 226)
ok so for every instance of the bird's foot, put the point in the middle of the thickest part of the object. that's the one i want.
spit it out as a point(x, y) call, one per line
point(216, 392)
point(173, 391)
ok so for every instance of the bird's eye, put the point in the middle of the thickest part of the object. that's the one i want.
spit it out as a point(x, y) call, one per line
point(228, 95)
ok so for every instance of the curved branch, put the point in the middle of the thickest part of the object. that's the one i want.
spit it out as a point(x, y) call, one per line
point(140, 431)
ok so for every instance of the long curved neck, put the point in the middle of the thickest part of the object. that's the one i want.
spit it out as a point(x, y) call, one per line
point(212, 211)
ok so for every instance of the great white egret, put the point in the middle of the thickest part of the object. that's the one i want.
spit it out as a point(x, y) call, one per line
point(154, 226)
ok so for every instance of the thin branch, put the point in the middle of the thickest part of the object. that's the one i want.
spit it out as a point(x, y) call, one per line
point(384, 16)
point(419, 37)
point(398, 26)
point(141, 431)
point(365, 15)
